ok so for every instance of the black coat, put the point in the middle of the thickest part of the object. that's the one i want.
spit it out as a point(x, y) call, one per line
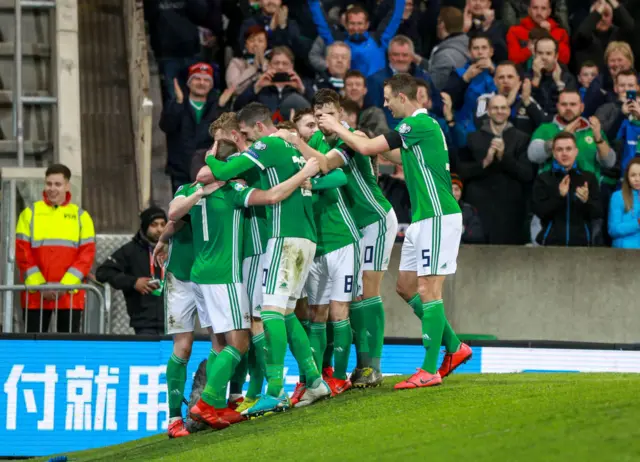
point(500, 191)
point(122, 269)
point(546, 94)
point(566, 221)
point(184, 135)
point(172, 28)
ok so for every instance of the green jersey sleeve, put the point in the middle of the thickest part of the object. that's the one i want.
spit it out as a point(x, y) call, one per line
point(333, 179)
point(413, 130)
point(225, 171)
point(544, 132)
point(182, 191)
point(266, 152)
point(239, 194)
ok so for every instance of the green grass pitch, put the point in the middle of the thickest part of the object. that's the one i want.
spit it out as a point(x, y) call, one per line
point(492, 418)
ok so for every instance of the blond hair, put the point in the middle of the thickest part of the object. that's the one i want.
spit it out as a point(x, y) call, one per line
point(226, 122)
point(622, 47)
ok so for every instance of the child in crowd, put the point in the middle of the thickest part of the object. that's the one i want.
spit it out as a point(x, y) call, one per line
point(472, 232)
point(588, 72)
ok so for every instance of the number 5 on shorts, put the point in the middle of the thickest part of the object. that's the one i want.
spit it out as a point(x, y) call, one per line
point(426, 258)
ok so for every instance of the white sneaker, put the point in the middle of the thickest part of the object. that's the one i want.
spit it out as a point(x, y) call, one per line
point(311, 395)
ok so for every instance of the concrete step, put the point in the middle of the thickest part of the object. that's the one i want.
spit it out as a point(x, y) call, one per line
point(37, 69)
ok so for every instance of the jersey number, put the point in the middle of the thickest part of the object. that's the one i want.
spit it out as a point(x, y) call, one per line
point(368, 254)
point(426, 258)
point(205, 227)
point(300, 161)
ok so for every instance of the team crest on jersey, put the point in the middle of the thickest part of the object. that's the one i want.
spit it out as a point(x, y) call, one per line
point(179, 189)
point(238, 186)
point(404, 129)
point(588, 139)
point(260, 146)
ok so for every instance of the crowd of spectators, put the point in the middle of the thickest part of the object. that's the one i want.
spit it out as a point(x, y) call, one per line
point(538, 99)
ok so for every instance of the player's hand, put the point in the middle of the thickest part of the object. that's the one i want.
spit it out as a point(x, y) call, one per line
point(582, 192)
point(307, 185)
point(563, 188)
point(142, 286)
point(160, 253)
point(328, 122)
point(205, 176)
point(178, 91)
point(285, 135)
point(211, 187)
point(311, 168)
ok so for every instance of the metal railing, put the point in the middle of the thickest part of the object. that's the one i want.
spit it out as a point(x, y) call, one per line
point(46, 291)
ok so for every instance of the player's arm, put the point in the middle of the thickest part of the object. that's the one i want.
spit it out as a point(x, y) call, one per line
point(283, 190)
point(181, 205)
point(161, 250)
point(332, 180)
point(365, 146)
point(233, 168)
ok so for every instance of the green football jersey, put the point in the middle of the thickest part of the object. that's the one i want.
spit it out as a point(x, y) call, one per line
point(278, 161)
point(180, 258)
point(425, 159)
point(362, 194)
point(255, 219)
point(217, 221)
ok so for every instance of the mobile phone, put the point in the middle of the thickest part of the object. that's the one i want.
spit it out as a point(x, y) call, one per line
point(281, 77)
point(632, 95)
point(386, 169)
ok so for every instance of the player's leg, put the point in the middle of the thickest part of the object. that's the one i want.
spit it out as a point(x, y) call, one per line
point(318, 295)
point(180, 312)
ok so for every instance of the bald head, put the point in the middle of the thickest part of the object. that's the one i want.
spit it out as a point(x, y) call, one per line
point(498, 109)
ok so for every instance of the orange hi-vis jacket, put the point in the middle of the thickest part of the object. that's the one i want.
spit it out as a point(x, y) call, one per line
point(55, 244)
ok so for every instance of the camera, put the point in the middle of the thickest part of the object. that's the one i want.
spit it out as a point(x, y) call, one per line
point(281, 77)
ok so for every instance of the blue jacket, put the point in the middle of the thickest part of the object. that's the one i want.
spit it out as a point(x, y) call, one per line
point(480, 85)
point(375, 92)
point(368, 52)
point(629, 133)
point(624, 227)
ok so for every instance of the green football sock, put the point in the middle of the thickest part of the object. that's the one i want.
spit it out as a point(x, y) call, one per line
point(374, 316)
point(432, 328)
point(416, 304)
point(318, 341)
point(239, 376)
point(214, 392)
point(211, 360)
point(306, 325)
point(176, 378)
point(343, 337)
point(301, 349)
point(276, 335)
point(328, 351)
point(256, 365)
point(356, 314)
point(449, 338)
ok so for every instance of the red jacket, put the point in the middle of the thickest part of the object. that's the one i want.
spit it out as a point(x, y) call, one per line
point(54, 244)
point(518, 41)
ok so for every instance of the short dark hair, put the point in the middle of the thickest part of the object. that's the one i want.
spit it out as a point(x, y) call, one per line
point(423, 83)
point(325, 96)
point(283, 50)
point(349, 107)
point(197, 162)
point(356, 9)
point(403, 83)
point(508, 63)
point(587, 63)
point(555, 44)
point(538, 33)
point(58, 169)
point(563, 136)
point(300, 113)
point(480, 36)
point(253, 113)
point(357, 74)
point(627, 73)
point(569, 91)
point(453, 19)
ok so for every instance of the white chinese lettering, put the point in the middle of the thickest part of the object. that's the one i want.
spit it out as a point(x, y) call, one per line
point(105, 414)
point(49, 378)
point(151, 389)
point(79, 398)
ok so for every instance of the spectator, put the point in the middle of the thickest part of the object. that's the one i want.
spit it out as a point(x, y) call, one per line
point(548, 76)
point(186, 122)
point(612, 115)
point(480, 20)
point(350, 113)
point(281, 30)
point(624, 211)
point(371, 119)
point(618, 57)
point(498, 175)
point(566, 198)
point(338, 63)
point(367, 49)
point(55, 243)
point(526, 114)
point(306, 124)
point(453, 50)
point(174, 39)
point(243, 72)
point(401, 54)
point(468, 83)
point(281, 89)
point(539, 15)
point(608, 21)
point(472, 232)
point(629, 132)
point(593, 148)
point(587, 73)
point(411, 24)
point(133, 270)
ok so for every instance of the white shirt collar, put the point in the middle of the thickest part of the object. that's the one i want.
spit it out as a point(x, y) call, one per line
point(420, 111)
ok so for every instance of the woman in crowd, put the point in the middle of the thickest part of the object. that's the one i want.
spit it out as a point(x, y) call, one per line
point(624, 210)
point(243, 71)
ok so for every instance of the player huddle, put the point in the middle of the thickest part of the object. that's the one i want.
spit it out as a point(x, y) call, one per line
point(286, 242)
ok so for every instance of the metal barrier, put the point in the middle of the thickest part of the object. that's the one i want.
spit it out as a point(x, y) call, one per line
point(53, 290)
